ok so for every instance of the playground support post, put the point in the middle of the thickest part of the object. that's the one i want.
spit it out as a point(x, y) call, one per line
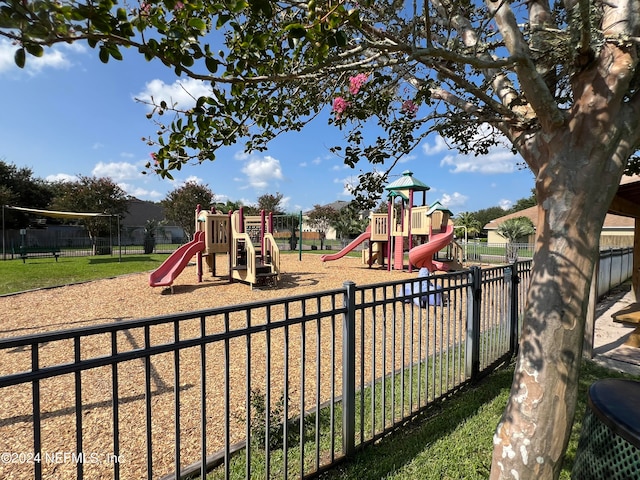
point(300, 237)
point(466, 239)
point(4, 249)
point(199, 254)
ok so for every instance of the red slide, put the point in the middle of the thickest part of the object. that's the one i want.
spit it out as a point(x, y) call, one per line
point(422, 255)
point(366, 235)
point(165, 274)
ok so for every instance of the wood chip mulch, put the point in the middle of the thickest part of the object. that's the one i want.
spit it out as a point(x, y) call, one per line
point(130, 297)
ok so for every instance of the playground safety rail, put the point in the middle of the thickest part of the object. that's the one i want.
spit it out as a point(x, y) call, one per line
point(285, 387)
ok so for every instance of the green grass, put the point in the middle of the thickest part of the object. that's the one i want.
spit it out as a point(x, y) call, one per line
point(451, 440)
point(16, 276)
point(43, 272)
point(455, 440)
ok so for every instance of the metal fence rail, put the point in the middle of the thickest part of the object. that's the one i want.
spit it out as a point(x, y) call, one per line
point(277, 389)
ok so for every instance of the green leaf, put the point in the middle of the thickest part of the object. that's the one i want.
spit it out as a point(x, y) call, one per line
point(197, 23)
point(103, 54)
point(222, 19)
point(114, 52)
point(212, 64)
point(187, 60)
point(238, 6)
point(20, 57)
point(121, 14)
point(34, 49)
point(295, 30)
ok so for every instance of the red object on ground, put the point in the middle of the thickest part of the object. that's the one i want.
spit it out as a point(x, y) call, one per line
point(166, 273)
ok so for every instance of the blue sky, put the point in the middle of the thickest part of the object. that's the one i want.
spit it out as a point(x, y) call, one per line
point(68, 114)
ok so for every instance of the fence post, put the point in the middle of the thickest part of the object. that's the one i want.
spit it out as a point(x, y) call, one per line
point(474, 300)
point(511, 275)
point(349, 370)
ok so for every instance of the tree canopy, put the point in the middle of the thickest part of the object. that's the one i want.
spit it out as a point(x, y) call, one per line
point(557, 83)
point(321, 218)
point(180, 205)
point(18, 187)
point(271, 203)
point(91, 194)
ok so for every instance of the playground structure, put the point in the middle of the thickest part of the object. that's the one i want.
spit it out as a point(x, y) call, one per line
point(253, 254)
point(424, 230)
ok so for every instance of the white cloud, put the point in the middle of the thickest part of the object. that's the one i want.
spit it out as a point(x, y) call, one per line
point(141, 193)
point(183, 92)
point(54, 57)
point(189, 179)
point(455, 200)
point(407, 158)
point(262, 171)
point(505, 204)
point(61, 177)
point(499, 160)
point(284, 203)
point(348, 184)
point(438, 146)
point(117, 171)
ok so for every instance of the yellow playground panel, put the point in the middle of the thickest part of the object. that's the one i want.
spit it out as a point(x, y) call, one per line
point(254, 257)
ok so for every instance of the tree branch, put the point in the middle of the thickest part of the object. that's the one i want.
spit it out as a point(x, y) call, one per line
point(585, 27)
point(531, 82)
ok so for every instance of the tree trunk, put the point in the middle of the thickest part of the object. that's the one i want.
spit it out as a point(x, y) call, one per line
point(573, 198)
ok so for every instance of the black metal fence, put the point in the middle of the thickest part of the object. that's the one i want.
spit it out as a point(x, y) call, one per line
point(277, 389)
point(74, 242)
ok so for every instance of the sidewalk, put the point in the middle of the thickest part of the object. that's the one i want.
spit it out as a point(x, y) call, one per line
point(609, 348)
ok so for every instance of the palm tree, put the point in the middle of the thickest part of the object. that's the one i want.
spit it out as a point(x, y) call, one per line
point(151, 228)
point(348, 222)
point(470, 223)
point(513, 230)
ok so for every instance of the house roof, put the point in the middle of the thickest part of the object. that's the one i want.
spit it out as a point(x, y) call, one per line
point(610, 222)
point(337, 206)
point(627, 199)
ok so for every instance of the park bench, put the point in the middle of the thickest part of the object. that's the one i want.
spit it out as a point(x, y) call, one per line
point(30, 252)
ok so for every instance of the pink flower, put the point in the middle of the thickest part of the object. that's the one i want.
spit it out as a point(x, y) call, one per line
point(355, 83)
point(155, 158)
point(179, 6)
point(145, 8)
point(339, 106)
point(409, 107)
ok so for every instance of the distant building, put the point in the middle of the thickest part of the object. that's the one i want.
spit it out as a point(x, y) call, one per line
point(141, 211)
point(331, 232)
point(617, 231)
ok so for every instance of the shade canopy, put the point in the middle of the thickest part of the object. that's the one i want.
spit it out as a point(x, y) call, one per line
point(57, 214)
